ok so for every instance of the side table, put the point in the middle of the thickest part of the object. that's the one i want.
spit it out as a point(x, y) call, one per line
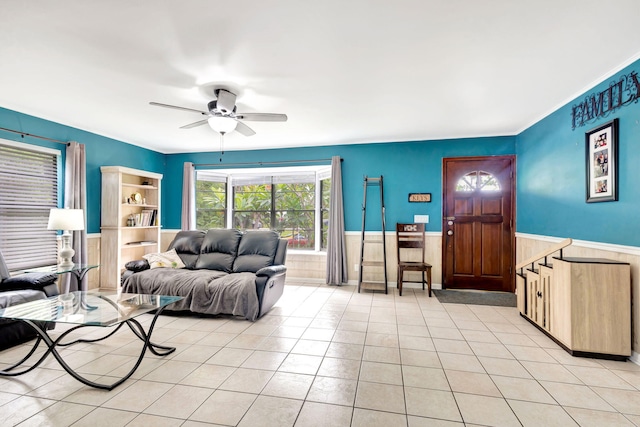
point(79, 271)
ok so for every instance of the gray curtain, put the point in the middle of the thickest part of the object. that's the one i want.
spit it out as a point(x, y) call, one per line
point(189, 196)
point(336, 247)
point(75, 197)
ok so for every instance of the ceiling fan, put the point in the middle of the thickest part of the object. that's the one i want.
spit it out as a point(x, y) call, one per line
point(222, 115)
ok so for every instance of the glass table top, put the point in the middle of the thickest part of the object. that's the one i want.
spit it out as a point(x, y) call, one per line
point(88, 308)
point(58, 269)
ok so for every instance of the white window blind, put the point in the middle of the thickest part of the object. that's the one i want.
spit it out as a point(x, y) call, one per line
point(28, 190)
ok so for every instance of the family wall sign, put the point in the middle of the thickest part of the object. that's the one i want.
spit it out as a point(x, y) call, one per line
point(620, 92)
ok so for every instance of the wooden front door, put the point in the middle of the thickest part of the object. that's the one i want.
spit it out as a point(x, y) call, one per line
point(478, 227)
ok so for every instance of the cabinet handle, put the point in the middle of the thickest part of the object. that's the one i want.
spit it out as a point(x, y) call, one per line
point(539, 294)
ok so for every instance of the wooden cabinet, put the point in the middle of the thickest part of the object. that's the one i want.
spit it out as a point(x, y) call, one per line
point(533, 284)
point(584, 304)
point(592, 305)
point(130, 219)
point(537, 290)
point(544, 289)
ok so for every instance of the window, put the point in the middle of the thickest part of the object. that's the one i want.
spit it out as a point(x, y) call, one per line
point(295, 209)
point(478, 180)
point(28, 190)
point(211, 201)
point(288, 200)
point(325, 198)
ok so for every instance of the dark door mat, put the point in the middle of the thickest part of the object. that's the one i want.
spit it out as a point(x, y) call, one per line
point(450, 296)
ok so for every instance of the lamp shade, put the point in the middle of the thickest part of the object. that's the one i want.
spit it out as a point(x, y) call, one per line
point(66, 219)
point(222, 124)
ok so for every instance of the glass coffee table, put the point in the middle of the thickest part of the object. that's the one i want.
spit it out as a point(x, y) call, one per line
point(108, 310)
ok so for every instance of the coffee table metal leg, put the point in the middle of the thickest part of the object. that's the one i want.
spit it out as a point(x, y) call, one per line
point(137, 329)
point(139, 332)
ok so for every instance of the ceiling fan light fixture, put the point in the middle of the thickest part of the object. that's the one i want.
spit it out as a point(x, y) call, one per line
point(222, 124)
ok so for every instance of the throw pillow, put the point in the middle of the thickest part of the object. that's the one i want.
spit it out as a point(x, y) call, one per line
point(169, 259)
point(28, 281)
point(137, 265)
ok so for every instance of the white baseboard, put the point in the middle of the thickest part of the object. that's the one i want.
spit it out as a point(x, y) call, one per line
point(635, 357)
point(354, 282)
point(406, 285)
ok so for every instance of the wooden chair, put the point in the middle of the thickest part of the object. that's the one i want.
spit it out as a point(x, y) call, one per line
point(411, 236)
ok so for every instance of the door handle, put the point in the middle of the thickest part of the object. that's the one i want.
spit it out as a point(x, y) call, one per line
point(450, 233)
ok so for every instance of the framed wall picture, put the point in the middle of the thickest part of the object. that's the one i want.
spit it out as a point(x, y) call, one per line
point(602, 163)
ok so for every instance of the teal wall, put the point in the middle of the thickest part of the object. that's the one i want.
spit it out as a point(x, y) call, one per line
point(551, 179)
point(407, 167)
point(550, 188)
point(100, 151)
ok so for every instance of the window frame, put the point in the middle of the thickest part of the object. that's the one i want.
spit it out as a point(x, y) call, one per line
point(276, 175)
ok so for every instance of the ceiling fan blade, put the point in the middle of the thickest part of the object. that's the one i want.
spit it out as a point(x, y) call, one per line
point(262, 117)
point(244, 129)
point(195, 124)
point(175, 107)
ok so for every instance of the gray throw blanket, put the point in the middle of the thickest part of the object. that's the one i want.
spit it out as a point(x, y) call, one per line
point(204, 291)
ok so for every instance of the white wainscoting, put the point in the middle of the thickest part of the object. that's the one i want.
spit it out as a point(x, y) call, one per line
point(303, 265)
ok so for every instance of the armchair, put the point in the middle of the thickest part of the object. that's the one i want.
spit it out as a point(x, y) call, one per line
point(20, 289)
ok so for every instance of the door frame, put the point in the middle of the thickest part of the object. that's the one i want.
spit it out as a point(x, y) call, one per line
point(512, 159)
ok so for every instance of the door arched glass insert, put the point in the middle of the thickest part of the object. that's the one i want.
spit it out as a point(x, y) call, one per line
point(478, 180)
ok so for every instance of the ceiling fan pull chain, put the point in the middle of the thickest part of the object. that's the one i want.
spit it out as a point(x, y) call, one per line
point(221, 145)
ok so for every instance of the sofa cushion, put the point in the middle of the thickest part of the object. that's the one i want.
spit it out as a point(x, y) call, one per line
point(169, 259)
point(187, 245)
point(9, 298)
point(219, 249)
point(257, 250)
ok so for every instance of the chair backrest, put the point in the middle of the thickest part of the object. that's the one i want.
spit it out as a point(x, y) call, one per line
point(410, 236)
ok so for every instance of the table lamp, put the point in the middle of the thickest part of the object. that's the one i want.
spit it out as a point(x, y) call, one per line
point(66, 220)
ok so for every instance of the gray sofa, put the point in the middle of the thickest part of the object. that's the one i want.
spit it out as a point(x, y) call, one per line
point(226, 272)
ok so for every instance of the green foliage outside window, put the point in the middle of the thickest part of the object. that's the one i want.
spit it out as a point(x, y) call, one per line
point(252, 206)
point(295, 213)
point(325, 186)
point(211, 204)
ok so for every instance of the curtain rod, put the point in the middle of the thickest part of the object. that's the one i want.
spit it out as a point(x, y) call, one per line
point(23, 134)
point(282, 162)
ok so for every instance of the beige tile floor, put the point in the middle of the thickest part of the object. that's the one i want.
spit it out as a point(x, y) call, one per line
point(328, 356)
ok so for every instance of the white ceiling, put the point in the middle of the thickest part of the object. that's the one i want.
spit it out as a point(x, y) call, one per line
point(344, 71)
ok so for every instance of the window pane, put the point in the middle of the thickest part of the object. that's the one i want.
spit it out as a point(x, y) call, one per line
point(488, 182)
point(210, 204)
point(252, 206)
point(296, 196)
point(478, 180)
point(324, 209)
point(252, 197)
point(247, 220)
point(295, 213)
